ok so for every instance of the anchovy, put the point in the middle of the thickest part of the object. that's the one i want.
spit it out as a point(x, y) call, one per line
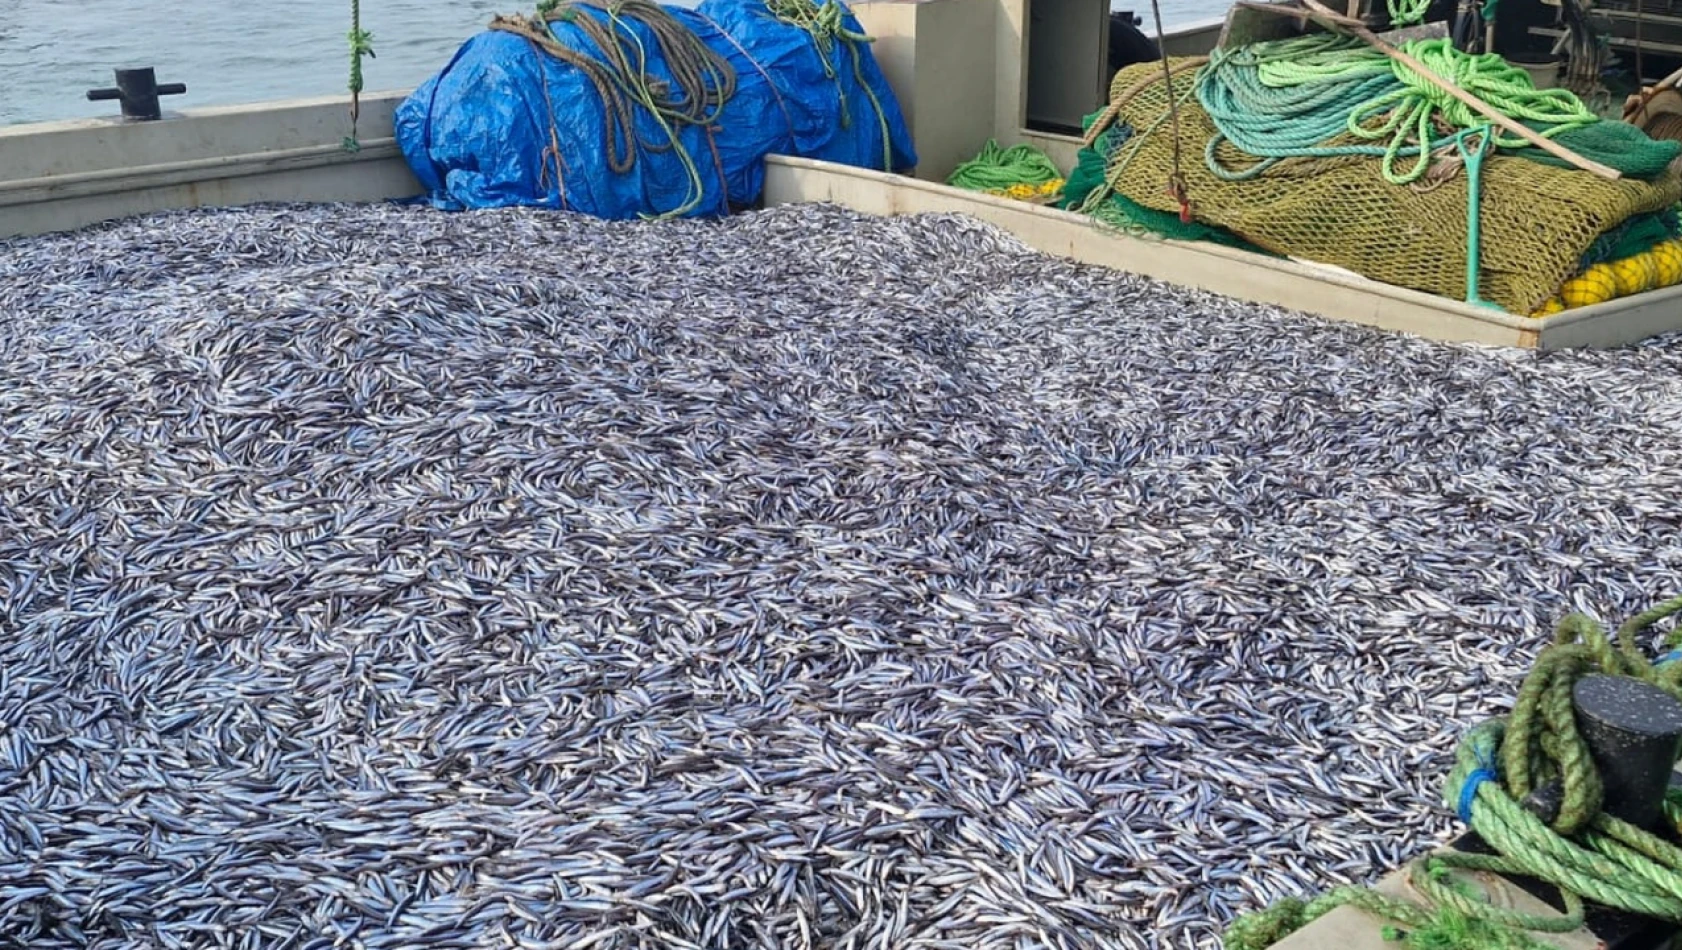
point(375, 577)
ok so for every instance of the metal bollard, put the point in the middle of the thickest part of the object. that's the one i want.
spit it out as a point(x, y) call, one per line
point(138, 90)
point(1634, 731)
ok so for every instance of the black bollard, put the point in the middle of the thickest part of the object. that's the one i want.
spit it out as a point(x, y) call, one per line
point(138, 90)
point(1634, 731)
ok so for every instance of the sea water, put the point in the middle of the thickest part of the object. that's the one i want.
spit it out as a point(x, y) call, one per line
point(52, 53)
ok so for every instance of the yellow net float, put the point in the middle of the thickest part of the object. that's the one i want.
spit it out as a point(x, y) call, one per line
point(1667, 261)
point(1596, 285)
point(1655, 268)
point(1635, 275)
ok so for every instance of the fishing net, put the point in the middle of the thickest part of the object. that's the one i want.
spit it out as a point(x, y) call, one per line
point(1657, 265)
point(1618, 144)
point(1538, 220)
point(1122, 212)
point(1635, 236)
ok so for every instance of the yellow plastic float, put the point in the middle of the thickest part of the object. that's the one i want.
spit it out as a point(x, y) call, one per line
point(1657, 267)
point(1041, 193)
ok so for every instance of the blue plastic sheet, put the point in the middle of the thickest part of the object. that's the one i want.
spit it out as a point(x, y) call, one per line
point(505, 123)
point(841, 107)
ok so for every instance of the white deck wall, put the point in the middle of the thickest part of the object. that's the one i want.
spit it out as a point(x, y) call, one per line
point(57, 176)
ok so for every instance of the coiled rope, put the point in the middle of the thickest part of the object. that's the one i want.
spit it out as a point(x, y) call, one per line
point(1584, 852)
point(1007, 171)
point(1407, 12)
point(1295, 98)
point(703, 80)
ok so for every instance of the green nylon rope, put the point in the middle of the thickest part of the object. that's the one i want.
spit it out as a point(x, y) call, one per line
point(1407, 12)
point(361, 44)
point(1289, 98)
point(1494, 80)
point(996, 168)
point(1584, 852)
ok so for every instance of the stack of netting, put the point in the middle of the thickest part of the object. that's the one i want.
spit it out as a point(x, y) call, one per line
point(1319, 147)
point(627, 108)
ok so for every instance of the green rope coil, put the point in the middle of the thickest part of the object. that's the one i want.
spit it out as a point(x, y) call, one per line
point(1490, 78)
point(1407, 12)
point(1587, 854)
point(1293, 98)
point(826, 22)
point(996, 169)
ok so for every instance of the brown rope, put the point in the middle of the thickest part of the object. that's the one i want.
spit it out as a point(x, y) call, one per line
point(1176, 178)
point(702, 79)
point(554, 148)
point(718, 165)
point(1646, 96)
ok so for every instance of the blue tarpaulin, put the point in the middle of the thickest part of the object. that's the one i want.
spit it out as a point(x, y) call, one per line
point(507, 123)
point(835, 115)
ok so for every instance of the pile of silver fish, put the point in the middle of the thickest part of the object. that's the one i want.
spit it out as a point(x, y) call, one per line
point(374, 577)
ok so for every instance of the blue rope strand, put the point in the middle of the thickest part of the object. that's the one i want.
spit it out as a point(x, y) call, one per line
point(1485, 772)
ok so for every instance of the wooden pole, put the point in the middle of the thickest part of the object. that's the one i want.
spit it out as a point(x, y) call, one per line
point(1336, 21)
point(1636, 106)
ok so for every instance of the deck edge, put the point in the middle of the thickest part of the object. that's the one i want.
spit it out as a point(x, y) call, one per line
point(1320, 291)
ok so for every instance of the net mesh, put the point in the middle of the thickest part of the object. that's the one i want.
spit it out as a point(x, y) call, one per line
point(1122, 212)
point(1537, 220)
